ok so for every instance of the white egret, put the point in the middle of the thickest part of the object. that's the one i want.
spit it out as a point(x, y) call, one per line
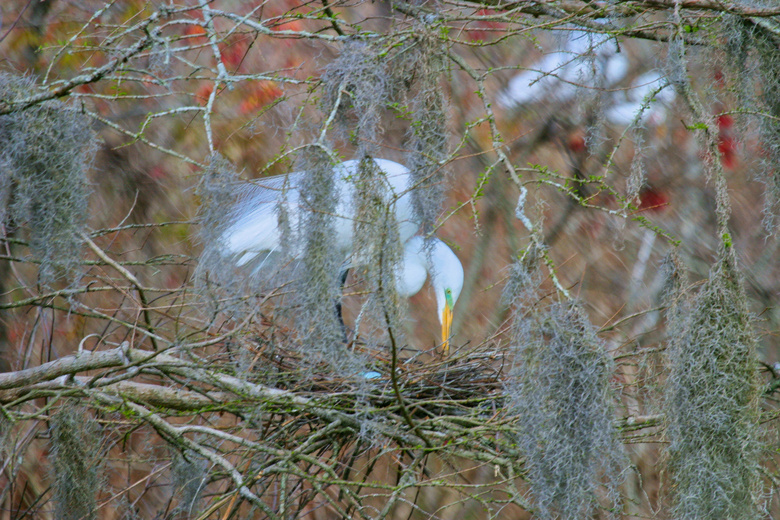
point(253, 233)
point(626, 104)
point(562, 73)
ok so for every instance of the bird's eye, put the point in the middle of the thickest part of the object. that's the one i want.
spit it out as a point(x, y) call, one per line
point(448, 297)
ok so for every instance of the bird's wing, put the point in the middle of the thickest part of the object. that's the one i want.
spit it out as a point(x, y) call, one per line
point(400, 181)
point(254, 223)
point(253, 227)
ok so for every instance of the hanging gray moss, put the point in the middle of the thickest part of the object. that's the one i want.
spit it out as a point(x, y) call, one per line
point(317, 282)
point(188, 478)
point(45, 154)
point(5, 435)
point(751, 57)
point(560, 391)
point(76, 457)
point(769, 71)
point(217, 192)
point(216, 278)
point(712, 399)
point(361, 71)
point(359, 78)
point(378, 248)
point(428, 131)
point(360, 75)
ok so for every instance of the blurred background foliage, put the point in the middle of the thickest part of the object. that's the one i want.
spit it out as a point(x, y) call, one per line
point(608, 174)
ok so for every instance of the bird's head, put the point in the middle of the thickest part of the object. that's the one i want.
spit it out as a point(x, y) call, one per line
point(446, 320)
point(436, 259)
point(447, 282)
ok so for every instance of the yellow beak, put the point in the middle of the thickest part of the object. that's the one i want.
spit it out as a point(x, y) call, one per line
point(446, 329)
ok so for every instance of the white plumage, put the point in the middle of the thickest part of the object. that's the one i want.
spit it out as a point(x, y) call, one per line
point(254, 229)
point(560, 74)
point(444, 266)
point(626, 104)
point(253, 233)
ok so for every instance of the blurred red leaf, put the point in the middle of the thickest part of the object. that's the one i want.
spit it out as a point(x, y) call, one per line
point(196, 31)
point(577, 143)
point(263, 93)
point(652, 199)
point(157, 173)
point(203, 93)
point(234, 51)
point(292, 25)
point(720, 78)
point(727, 143)
point(483, 30)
